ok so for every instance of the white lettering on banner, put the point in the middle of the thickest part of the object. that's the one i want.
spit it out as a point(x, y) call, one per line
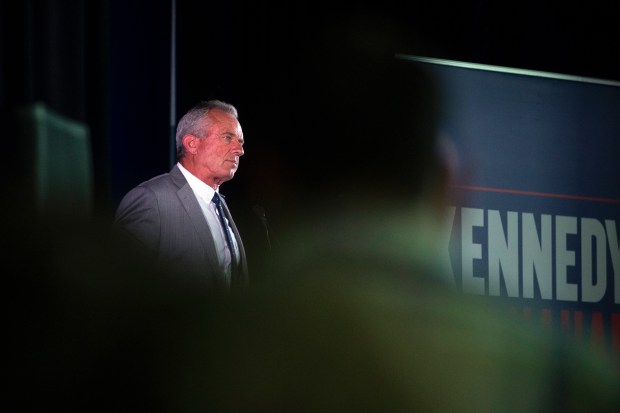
point(470, 218)
point(503, 253)
point(593, 287)
point(547, 253)
point(612, 236)
point(564, 258)
point(537, 260)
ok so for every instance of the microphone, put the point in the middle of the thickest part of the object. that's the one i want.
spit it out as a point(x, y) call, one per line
point(260, 211)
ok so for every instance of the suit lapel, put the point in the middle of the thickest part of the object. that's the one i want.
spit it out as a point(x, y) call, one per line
point(190, 203)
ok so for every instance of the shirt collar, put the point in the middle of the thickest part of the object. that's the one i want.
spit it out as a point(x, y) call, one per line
point(200, 188)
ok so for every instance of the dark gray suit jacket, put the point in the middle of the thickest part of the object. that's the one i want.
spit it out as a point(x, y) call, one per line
point(164, 215)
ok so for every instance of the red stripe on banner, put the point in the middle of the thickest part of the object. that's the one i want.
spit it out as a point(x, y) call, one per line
point(539, 194)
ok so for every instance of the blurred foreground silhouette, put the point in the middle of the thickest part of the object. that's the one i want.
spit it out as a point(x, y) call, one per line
point(349, 314)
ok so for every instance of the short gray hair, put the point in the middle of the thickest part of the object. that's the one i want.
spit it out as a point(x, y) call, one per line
point(192, 122)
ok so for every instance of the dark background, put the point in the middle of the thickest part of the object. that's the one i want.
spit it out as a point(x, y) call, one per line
point(107, 64)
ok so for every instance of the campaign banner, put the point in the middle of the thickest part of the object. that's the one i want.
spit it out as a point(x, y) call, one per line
point(535, 215)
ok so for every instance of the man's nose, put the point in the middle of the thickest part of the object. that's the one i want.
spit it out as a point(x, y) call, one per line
point(239, 149)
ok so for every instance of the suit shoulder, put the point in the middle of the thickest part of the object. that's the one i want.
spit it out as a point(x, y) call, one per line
point(157, 180)
point(164, 182)
point(149, 191)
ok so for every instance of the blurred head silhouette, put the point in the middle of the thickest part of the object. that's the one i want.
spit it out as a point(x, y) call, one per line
point(366, 122)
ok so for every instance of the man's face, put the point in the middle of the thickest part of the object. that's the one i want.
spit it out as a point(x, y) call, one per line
point(218, 153)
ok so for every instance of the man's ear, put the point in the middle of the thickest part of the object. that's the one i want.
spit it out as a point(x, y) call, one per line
point(189, 143)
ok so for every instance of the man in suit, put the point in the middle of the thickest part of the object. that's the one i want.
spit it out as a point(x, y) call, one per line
point(176, 215)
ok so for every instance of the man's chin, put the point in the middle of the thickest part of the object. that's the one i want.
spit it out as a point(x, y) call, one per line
point(229, 176)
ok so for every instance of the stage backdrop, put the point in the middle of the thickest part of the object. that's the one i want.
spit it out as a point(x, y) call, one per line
point(536, 209)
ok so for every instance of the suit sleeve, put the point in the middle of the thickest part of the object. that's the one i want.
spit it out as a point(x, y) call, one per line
point(138, 215)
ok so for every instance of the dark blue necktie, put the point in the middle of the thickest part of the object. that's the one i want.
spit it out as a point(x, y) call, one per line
point(227, 231)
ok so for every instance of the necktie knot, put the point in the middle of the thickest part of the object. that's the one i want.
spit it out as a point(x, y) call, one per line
point(217, 200)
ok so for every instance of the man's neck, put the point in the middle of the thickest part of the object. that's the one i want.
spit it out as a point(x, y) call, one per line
point(191, 168)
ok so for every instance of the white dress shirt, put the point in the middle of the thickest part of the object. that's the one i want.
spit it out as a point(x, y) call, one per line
point(204, 193)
